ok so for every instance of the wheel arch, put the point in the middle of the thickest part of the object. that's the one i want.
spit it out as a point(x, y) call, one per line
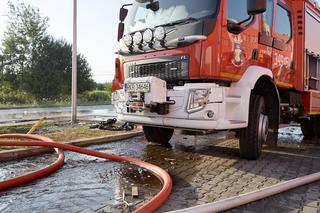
point(261, 82)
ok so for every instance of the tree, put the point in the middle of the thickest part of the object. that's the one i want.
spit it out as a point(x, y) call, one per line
point(100, 86)
point(108, 86)
point(52, 72)
point(36, 62)
point(47, 79)
point(24, 37)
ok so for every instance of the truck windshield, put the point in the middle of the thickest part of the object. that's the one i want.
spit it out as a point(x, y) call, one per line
point(170, 11)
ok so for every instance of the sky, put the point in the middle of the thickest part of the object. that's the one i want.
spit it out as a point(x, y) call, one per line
point(97, 29)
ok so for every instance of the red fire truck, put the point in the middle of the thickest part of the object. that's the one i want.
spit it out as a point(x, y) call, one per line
point(243, 65)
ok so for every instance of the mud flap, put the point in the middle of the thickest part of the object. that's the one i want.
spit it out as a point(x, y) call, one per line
point(274, 118)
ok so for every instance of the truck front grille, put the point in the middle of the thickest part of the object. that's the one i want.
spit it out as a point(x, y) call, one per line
point(168, 68)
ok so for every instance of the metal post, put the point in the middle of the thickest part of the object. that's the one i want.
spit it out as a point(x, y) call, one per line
point(74, 64)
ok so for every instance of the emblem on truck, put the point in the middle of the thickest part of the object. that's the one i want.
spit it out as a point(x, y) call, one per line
point(237, 51)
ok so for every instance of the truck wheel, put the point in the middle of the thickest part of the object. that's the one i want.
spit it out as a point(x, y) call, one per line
point(307, 128)
point(158, 135)
point(255, 135)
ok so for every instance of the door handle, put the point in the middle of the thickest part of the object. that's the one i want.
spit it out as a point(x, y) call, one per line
point(279, 44)
point(265, 39)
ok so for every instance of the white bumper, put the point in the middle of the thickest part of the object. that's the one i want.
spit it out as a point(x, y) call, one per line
point(230, 107)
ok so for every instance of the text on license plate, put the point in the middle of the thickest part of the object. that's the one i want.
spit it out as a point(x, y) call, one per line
point(137, 87)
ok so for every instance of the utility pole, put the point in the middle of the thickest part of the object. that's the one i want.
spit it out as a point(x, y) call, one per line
point(74, 65)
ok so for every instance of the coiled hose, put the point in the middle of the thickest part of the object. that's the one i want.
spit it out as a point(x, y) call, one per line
point(150, 206)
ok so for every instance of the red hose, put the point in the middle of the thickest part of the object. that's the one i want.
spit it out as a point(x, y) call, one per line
point(33, 175)
point(150, 206)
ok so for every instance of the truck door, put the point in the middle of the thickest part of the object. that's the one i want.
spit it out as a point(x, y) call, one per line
point(265, 36)
point(238, 49)
point(283, 42)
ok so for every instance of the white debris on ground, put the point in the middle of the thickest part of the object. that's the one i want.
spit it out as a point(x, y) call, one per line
point(291, 134)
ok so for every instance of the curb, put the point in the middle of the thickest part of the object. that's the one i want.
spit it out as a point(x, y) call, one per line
point(28, 152)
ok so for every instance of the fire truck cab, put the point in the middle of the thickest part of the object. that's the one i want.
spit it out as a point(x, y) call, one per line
point(242, 65)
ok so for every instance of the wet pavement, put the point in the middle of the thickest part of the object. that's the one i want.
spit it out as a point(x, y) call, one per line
point(204, 169)
point(26, 114)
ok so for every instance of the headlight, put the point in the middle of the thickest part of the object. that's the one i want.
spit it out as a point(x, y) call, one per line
point(127, 39)
point(137, 38)
point(198, 99)
point(148, 36)
point(160, 33)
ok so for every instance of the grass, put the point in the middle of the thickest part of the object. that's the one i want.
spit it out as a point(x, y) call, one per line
point(58, 131)
point(21, 129)
point(77, 132)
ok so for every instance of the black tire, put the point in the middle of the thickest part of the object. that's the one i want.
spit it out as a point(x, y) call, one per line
point(255, 135)
point(307, 128)
point(158, 135)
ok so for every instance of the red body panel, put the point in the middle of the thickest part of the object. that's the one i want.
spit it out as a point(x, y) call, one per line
point(312, 102)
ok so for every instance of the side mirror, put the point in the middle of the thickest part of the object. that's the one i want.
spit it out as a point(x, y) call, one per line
point(120, 30)
point(123, 14)
point(154, 6)
point(256, 7)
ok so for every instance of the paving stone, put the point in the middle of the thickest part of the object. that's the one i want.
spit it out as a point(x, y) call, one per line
point(87, 211)
point(315, 204)
point(308, 209)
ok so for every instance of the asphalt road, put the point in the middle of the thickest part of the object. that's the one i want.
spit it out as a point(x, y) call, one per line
point(27, 114)
point(204, 169)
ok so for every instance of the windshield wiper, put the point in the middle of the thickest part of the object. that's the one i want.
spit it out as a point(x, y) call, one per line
point(181, 21)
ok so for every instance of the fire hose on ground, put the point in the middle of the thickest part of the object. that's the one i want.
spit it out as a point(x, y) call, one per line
point(162, 175)
point(234, 202)
point(149, 206)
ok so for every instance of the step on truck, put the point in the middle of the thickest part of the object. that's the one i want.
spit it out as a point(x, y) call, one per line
point(244, 65)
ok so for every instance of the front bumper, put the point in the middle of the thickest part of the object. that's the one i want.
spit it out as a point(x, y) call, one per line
point(228, 108)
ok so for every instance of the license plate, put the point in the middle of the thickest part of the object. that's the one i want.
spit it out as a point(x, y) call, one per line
point(137, 87)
